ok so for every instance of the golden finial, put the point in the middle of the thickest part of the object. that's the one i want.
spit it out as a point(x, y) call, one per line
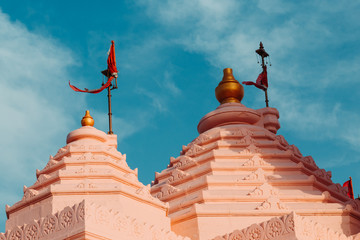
point(87, 120)
point(229, 89)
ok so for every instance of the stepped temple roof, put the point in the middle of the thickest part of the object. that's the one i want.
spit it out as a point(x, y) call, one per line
point(238, 179)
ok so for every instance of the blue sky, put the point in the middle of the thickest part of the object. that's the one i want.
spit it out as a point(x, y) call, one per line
point(170, 57)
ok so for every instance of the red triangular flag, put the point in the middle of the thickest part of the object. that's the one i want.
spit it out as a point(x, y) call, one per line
point(261, 81)
point(111, 62)
point(348, 185)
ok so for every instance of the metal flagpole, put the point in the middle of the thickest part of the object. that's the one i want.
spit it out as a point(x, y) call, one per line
point(110, 113)
point(110, 73)
point(263, 54)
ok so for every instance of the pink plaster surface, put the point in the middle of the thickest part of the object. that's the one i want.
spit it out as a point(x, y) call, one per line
point(238, 173)
point(237, 180)
point(87, 191)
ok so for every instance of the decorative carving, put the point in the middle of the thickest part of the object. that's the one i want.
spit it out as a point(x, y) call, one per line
point(94, 148)
point(86, 157)
point(258, 175)
point(167, 190)
point(80, 212)
point(144, 191)
point(185, 148)
point(129, 227)
point(121, 223)
point(237, 235)
point(203, 138)
point(295, 151)
point(177, 175)
point(272, 202)
point(256, 161)
point(264, 190)
point(300, 165)
point(102, 215)
point(308, 229)
point(279, 228)
point(194, 150)
point(274, 228)
point(62, 151)
point(138, 228)
point(282, 140)
point(15, 234)
point(290, 223)
point(249, 140)
point(49, 225)
point(255, 232)
point(66, 218)
point(241, 132)
point(42, 178)
point(338, 188)
point(184, 161)
point(29, 193)
point(32, 231)
point(50, 163)
point(310, 161)
point(322, 173)
point(251, 149)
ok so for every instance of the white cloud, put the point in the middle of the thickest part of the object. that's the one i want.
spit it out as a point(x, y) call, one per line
point(36, 104)
point(299, 37)
point(169, 84)
point(157, 101)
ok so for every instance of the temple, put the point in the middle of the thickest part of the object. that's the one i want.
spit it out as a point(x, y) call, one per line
point(238, 180)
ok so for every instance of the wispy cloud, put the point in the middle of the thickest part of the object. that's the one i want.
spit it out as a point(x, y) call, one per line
point(156, 101)
point(33, 109)
point(303, 33)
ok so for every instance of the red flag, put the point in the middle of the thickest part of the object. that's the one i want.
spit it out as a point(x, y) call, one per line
point(348, 185)
point(261, 81)
point(106, 85)
point(111, 62)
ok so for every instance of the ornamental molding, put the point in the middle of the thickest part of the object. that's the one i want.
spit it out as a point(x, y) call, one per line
point(269, 230)
point(240, 132)
point(289, 226)
point(310, 162)
point(338, 188)
point(272, 203)
point(184, 161)
point(61, 152)
point(281, 140)
point(194, 149)
point(264, 190)
point(295, 151)
point(202, 139)
point(247, 140)
point(72, 220)
point(256, 161)
point(251, 149)
point(258, 175)
point(49, 227)
point(177, 175)
point(167, 190)
point(323, 174)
